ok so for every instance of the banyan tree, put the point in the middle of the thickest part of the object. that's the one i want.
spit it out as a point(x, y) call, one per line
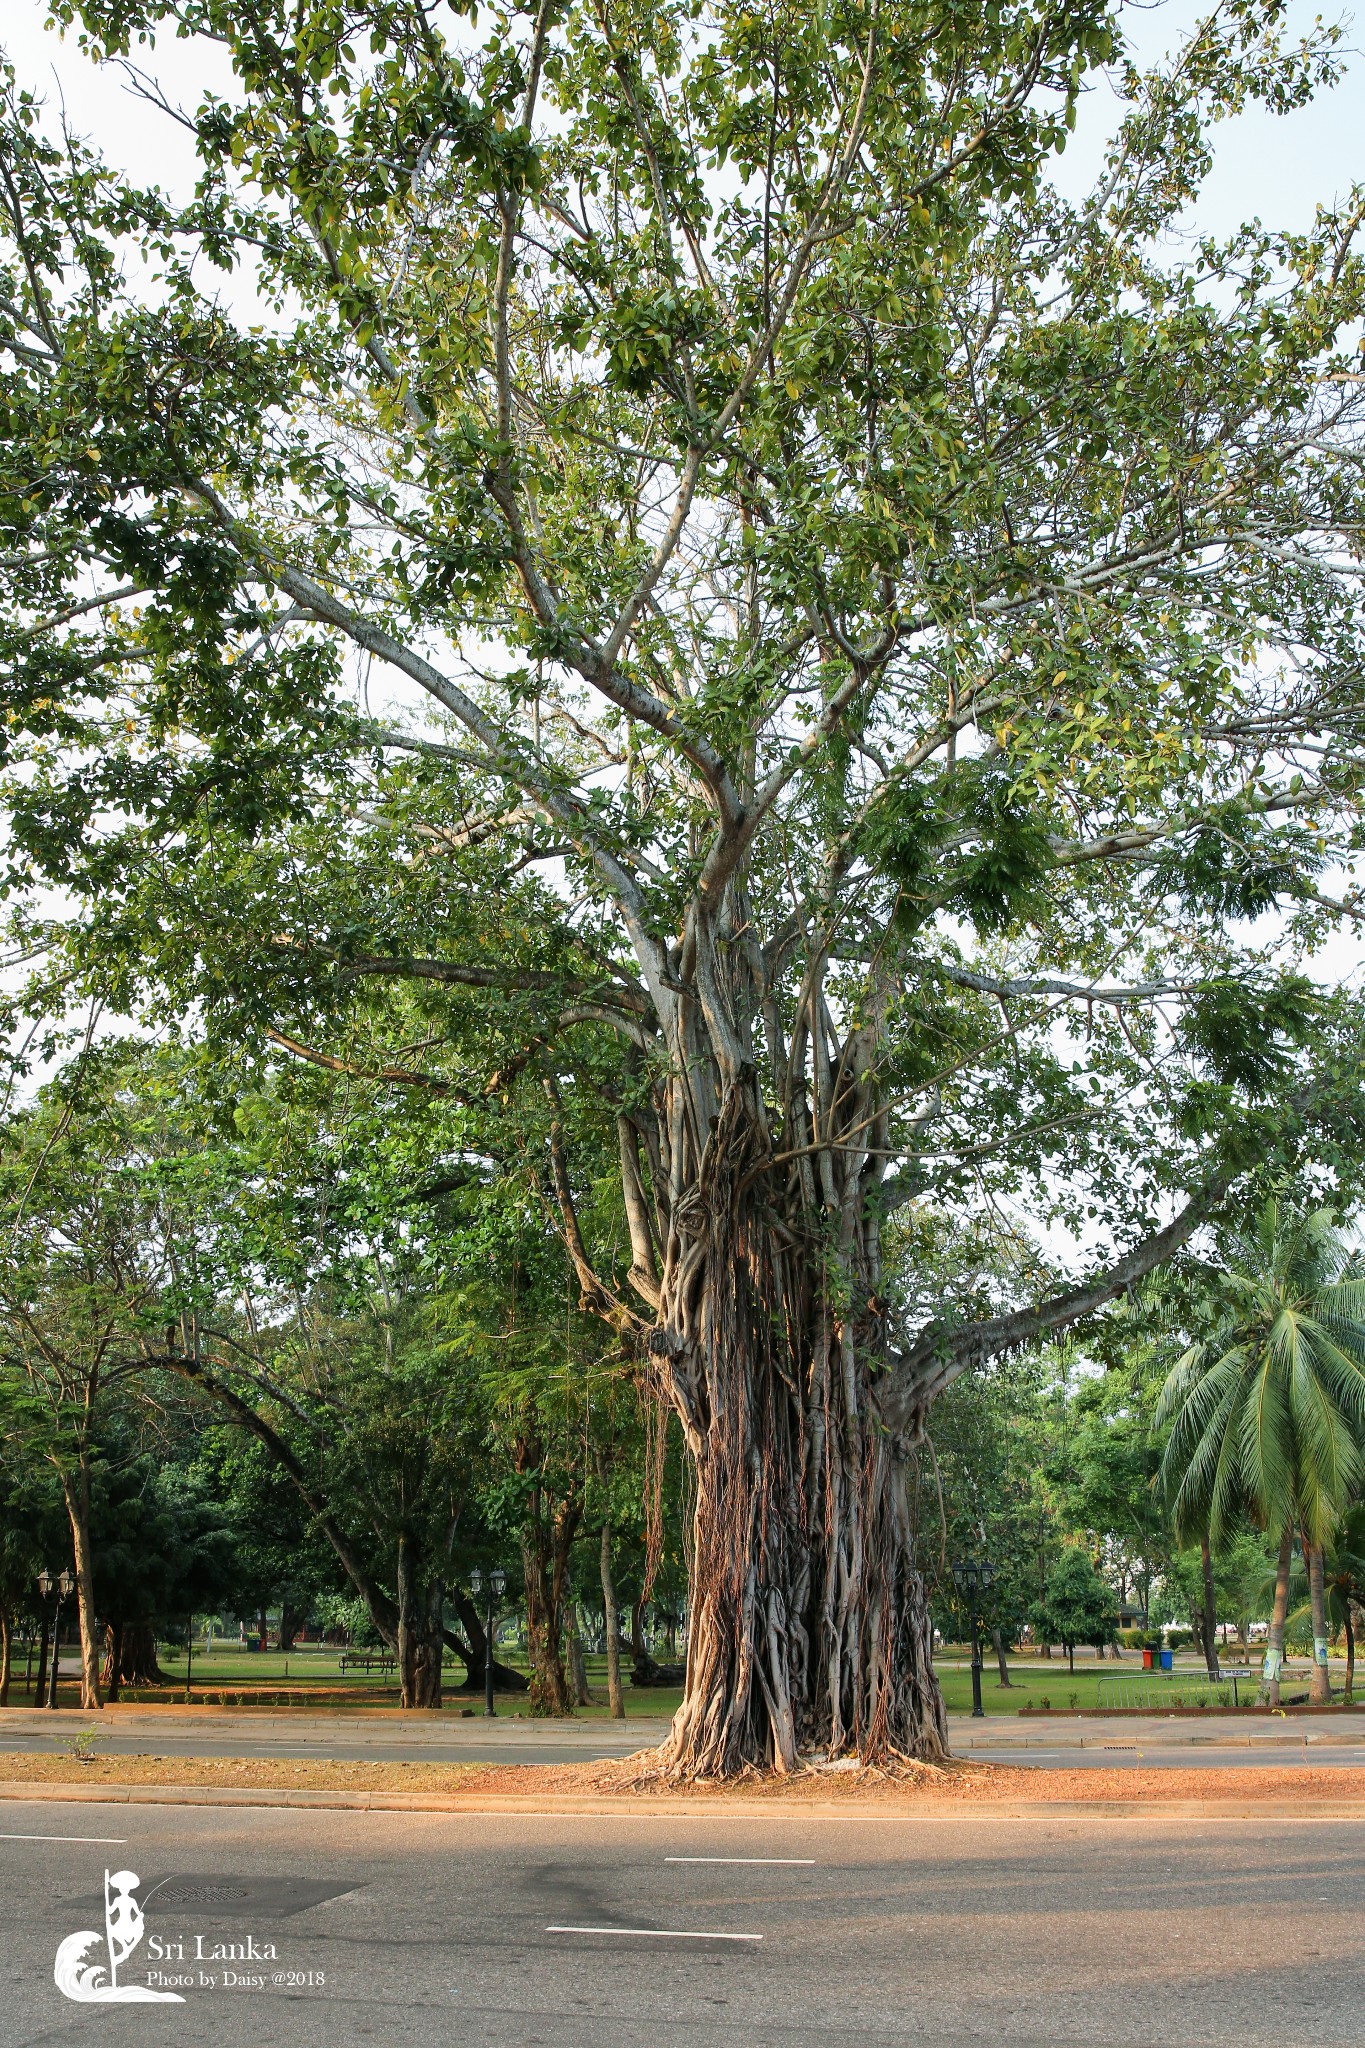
point(675, 576)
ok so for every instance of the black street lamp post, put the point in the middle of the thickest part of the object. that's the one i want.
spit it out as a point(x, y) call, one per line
point(973, 1577)
point(62, 1586)
point(497, 1586)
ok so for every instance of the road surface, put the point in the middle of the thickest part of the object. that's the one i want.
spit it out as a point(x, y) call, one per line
point(582, 1933)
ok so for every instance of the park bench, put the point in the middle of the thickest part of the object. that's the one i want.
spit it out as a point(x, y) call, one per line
point(366, 1661)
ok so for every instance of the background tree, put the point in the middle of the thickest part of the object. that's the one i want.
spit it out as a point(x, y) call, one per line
point(980, 1495)
point(1078, 1606)
point(82, 1277)
point(30, 1506)
point(1106, 1472)
point(278, 1558)
point(163, 1549)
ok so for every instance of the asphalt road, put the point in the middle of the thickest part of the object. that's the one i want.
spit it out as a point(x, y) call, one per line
point(496, 1929)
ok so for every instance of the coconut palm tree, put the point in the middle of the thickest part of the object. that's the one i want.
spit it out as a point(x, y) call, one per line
point(1267, 1407)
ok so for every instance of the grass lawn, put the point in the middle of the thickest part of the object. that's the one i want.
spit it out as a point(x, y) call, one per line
point(313, 1671)
point(1035, 1680)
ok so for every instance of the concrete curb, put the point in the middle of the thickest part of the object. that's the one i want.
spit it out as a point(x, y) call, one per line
point(703, 1806)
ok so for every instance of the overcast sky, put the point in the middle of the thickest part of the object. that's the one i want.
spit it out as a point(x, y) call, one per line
point(1274, 169)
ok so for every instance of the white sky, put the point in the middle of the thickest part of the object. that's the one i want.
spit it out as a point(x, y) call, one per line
point(1274, 169)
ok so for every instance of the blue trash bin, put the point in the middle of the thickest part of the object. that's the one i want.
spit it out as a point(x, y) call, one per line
point(1168, 1660)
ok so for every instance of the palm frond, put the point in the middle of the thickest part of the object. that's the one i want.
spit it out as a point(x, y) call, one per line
point(1342, 1305)
point(1267, 1445)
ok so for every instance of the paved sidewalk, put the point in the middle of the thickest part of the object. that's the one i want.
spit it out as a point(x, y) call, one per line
point(1206, 1741)
point(379, 1735)
point(1177, 1731)
point(365, 1735)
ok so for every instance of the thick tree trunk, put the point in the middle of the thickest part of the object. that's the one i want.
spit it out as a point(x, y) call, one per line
point(612, 1613)
point(578, 1670)
point(810, 1628)
point(546, 1540)
point(1350, 1628)
point(998, 1644)
point(1071, 1658)
point(549, 1682)
point(1274, 1648)
point(407, 1621)
point(430, 1648)
point(1210, 1614)
point(76, 1491)
point(545, 1630)
point(6, 1654)
point(1320, 1687)
point(421, 1638)
point(139, 1664)
point(113, 1659)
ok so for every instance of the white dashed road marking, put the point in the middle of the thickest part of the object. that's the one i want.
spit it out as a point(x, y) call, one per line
point(658, 1933)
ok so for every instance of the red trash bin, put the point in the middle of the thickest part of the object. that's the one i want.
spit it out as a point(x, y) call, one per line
point(1147, 1660)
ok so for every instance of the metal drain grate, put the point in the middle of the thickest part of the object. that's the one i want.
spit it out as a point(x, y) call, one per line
point(203, 1894)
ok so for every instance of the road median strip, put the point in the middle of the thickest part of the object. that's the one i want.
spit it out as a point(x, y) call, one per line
point(624, 1789)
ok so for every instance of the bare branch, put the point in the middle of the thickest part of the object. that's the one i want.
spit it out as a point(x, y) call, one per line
point(942, 1351)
